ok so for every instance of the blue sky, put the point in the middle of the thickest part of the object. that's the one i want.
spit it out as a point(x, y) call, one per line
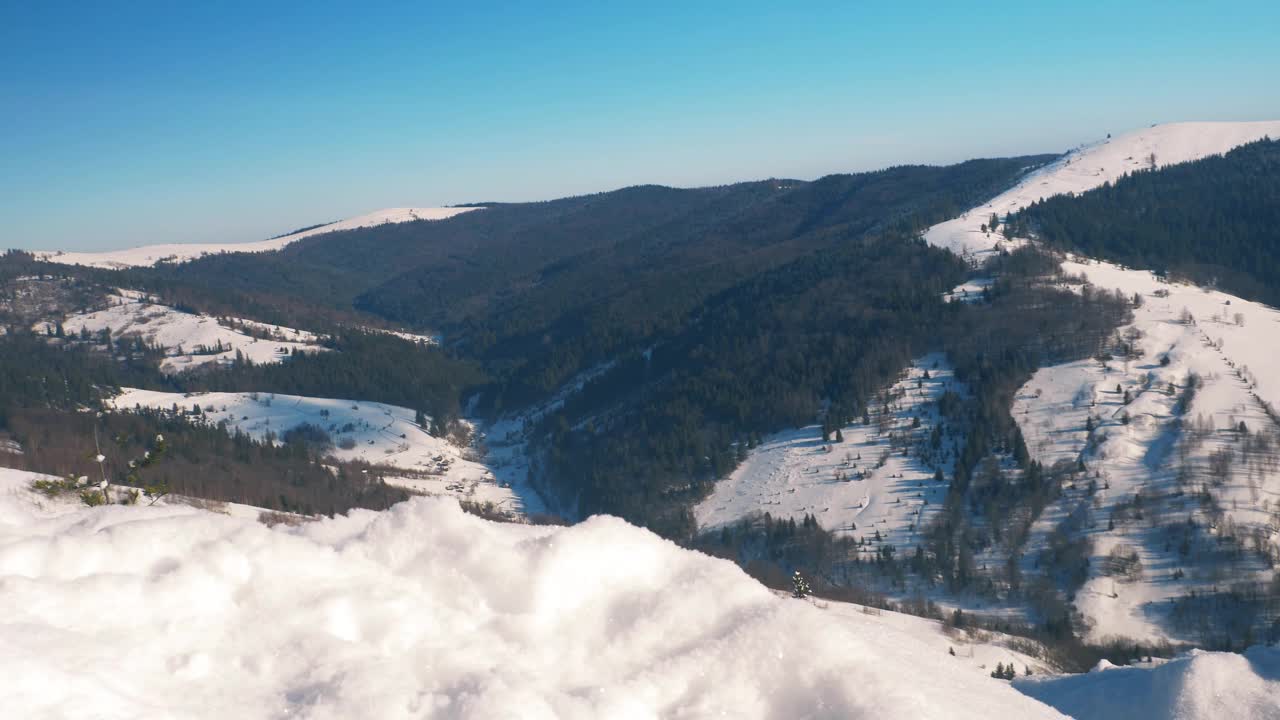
point(186, 122)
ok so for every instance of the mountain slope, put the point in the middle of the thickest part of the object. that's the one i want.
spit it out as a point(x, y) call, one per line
point(1215, 220)
point(1170, 435)
point(1094, 164)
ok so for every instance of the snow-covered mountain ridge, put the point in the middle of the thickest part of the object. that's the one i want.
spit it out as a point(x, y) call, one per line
point(181, 252)
point(1092, 165)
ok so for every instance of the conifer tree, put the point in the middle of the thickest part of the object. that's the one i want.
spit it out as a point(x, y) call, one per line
point(799, 586)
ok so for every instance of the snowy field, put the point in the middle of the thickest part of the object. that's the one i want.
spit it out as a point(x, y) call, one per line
point(860, 486)
point(189, 340)
point(423, 611)
point(1224, 341)
point(375, 433)
point(180, 252)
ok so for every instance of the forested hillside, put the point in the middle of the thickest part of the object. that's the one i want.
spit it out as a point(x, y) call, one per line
point(540, 291)
point(1215, 220)
point(721, 312)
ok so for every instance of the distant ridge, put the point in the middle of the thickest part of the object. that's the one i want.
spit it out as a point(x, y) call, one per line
point(181, 252)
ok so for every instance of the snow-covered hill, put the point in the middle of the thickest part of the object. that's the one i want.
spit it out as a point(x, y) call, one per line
point(1133, 420)
point(179, 252)
point(375, 433)
point(189, 340)
point(1162, 443)
point(1092, 165)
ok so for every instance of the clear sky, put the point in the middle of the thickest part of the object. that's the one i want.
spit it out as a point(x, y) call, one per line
point(132, 123)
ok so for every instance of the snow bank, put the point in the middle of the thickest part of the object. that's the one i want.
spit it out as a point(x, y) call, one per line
point(1197, 685)
point(181, 252)
point(424, 611)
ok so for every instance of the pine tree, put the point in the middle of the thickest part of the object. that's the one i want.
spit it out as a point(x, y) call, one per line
point(799, 586)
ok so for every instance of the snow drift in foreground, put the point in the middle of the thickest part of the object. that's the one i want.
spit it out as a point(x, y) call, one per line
point(181, 252)
point(424, 611)
point(1208, 685)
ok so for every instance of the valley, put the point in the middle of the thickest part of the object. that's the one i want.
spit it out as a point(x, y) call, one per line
point(1050, 458)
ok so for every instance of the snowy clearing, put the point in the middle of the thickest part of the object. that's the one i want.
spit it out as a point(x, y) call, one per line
point(374, 433)
point(425, 611)
point(189, 340)
point(181, 252)
point(862, 485)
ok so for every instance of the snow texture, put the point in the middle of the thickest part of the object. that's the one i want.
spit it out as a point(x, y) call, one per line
point(181, 252)
point(423, 611)
point(1196, 686)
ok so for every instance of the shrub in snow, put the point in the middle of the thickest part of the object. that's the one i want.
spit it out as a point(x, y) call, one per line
point(799, 586)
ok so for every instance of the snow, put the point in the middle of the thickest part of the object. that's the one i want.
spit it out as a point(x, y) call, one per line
point(978, 651)
point(375, 433)
point(1092, 165)
point(969, 291)
point(411, 337)
point(425, 611)
point(180, 333)
point(792, 473)
point(181, 252)
point(1196, 686)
